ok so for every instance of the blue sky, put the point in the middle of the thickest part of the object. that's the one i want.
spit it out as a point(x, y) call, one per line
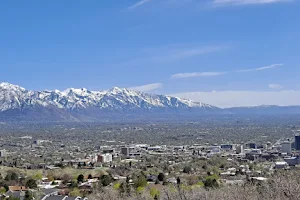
point(190, 48)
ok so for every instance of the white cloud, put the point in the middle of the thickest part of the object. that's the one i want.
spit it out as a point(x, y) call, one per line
point(201, 74)
point(246, 2)
point(175, 53)
point(147, 88)
point(244, 98)
point(196, 51)
point(275, 86)
point(197, 74)
point(138, 4)
point(261, 68)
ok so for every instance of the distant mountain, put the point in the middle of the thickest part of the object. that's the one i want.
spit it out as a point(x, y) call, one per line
point(264, 109)
point(17, 103)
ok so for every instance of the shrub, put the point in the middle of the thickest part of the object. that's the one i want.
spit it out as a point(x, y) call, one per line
point(38, 177)
point(75, 192)
point(140, 189)
point(117, 186)
point(155, 193)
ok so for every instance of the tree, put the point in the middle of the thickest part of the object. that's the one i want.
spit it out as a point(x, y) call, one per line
point(127, 185)
point(140, 181)
point(66, 178)
point(106, 180)
point(122, 188)
point(11, 176)
point(80, 178)
point(28, 195)
point(161, 177)
point(178, 181)
point(31, 184)
point(14, 176)
point(212, 181)
point(6, 187)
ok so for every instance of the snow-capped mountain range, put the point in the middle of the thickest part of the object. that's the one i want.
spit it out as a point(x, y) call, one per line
point(19, 104)
point(17, 99)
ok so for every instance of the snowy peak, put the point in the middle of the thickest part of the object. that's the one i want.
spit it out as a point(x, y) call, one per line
point(74, 91)
point(9, 86)
point(116, 90)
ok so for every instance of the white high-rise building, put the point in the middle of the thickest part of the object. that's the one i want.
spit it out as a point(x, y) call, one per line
point(286, 147)
point(2, 153)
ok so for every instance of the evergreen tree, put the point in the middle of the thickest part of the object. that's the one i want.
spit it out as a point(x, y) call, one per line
point(80, 178)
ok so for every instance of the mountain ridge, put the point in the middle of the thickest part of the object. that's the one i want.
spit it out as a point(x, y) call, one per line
point(72, 104)
point(75, 103)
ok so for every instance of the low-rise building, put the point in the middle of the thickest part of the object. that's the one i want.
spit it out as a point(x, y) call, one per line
point(105, 158)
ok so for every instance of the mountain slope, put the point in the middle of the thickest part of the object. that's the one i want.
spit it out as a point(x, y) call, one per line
point(79, 104)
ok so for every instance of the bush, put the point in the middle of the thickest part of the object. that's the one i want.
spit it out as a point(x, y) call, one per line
point(117, 186)
point(187, 169)
point(140, 190)
point(75, 192)
point(192, 180)
point(155, 193)
point(2, 190)
point(38, 177)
